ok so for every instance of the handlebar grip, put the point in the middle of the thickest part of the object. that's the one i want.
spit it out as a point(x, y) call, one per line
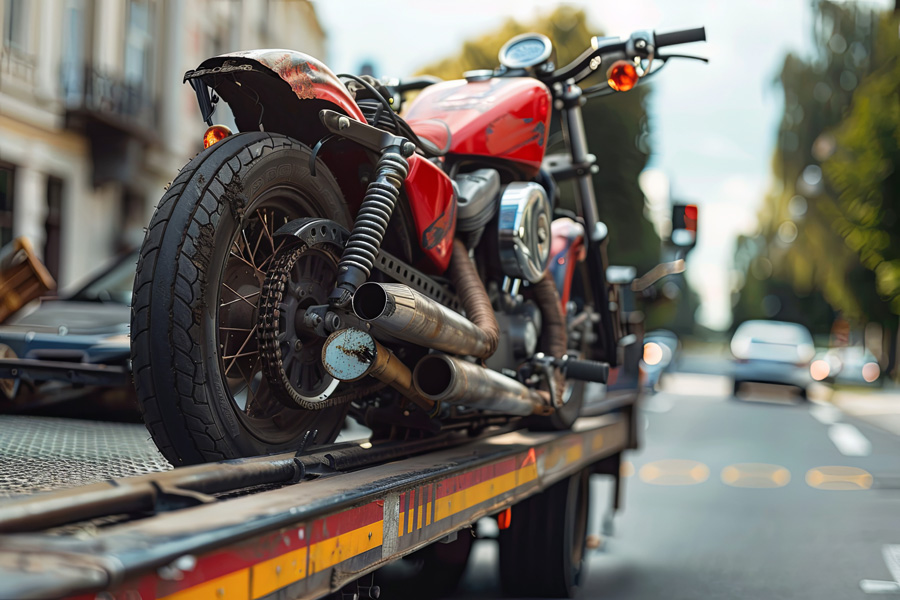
point(586, 370)
point(684, 36)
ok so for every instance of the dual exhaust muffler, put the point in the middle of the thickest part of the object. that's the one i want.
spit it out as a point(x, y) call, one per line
point(405, 314)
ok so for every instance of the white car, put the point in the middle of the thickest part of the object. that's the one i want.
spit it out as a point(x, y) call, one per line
point(772, 352)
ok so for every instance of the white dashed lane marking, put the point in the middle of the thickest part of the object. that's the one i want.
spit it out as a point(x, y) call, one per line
point(891, 554)
point(849, 440)
point(826, 414)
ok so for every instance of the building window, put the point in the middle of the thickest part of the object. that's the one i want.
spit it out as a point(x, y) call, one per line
point(72, 64)
point(139, 45)
point(53, 225)
point(7, 173)
point(15, 25)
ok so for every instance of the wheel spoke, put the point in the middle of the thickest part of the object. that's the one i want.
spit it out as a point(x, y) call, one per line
point(261, 217)
point(270, 235)
point(247, 245)
point(240, 350)
point(243, 260)
point(272, 256)
point(239, 297)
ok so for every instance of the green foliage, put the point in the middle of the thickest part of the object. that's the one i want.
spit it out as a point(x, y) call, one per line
point(837, 180)
point(863, 171)
point(613, 126)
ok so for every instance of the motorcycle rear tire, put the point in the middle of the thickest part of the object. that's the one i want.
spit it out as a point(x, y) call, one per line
point(186, 261)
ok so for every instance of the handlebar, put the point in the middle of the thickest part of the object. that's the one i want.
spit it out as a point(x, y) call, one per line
point(639, 45)
point(685, 36)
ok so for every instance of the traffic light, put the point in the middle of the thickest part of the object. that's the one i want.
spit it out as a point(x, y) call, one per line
point(684, 225)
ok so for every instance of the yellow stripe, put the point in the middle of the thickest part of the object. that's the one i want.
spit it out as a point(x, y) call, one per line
point(573, 454)
point(419, 518)
point(330, 552)
point(428, 514)
point(234, 586)
point(597, 442)
point(278, 572)
point(402, 516)
point(412, 519)
point(528, 473)
point(480, 492)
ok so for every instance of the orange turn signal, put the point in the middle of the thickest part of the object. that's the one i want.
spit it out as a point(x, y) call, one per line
point(214, 134)
point(622, 76)
point(504, 519)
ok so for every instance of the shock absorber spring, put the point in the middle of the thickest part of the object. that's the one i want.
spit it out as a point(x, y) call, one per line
point(371, 222)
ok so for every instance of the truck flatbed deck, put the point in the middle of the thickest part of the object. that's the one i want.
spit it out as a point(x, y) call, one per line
point(333, 516)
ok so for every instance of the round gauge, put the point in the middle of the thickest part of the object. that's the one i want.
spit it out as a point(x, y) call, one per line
point(525, 51)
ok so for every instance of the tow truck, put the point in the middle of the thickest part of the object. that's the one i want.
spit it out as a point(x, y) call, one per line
point(308, 524)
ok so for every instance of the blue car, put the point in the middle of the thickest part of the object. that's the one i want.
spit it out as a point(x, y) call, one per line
point(71, 347)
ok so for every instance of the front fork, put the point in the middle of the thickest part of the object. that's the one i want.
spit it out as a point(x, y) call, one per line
point(576, 141)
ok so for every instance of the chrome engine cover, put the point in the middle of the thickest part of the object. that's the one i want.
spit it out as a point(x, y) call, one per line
point(524, 231)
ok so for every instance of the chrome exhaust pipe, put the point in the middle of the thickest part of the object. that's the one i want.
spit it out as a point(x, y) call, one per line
point(407, 315)
point(351, 354)
point(443, 378)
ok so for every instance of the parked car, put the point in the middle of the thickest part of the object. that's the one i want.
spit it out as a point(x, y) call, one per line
point(850, 365)
point(772, 352)
point(73, 346)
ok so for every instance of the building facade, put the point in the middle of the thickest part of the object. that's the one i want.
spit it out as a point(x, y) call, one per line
point(95, 120)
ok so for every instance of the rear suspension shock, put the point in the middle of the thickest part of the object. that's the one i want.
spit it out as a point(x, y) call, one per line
point(371, 222)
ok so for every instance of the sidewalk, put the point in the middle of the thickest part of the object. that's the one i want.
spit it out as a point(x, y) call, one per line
point(878, 406)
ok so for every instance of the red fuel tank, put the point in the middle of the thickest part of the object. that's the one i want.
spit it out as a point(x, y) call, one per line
point(503, 118)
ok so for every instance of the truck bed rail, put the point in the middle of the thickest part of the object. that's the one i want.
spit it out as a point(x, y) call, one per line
point(302, 540)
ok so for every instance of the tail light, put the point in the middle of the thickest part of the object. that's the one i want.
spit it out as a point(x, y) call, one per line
point(871, 371)
point(653, 354)
point(819, 369)
point(622, 76)
point(214, 134)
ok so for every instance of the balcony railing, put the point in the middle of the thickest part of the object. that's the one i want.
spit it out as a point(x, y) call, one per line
point(92, 95)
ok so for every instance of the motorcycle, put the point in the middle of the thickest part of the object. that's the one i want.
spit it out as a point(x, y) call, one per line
point(335, 258)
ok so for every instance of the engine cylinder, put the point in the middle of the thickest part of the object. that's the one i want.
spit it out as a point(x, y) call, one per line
point(523, 233)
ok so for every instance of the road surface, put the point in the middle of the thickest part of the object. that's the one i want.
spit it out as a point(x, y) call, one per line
point(764, 497)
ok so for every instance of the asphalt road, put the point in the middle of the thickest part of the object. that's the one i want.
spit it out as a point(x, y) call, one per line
point(749, 498)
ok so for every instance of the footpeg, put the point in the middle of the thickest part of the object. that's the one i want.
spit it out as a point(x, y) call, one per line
point(584, 370)
point(574, 368)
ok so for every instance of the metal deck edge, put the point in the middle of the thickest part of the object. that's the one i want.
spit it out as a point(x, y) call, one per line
point(122, 553)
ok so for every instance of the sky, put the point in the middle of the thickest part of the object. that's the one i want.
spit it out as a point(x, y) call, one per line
point(713, 126)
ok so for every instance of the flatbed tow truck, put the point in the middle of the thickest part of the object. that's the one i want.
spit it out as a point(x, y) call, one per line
point(305, 525)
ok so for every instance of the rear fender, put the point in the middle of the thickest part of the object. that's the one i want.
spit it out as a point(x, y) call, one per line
point(282, 91)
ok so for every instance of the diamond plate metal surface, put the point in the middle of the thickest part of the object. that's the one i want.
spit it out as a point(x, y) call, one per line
point(39, 454)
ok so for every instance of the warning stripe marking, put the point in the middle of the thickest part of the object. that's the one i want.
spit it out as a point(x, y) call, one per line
point(348, 539)
point(234, 586)
point(330, 552)
point(330, 540)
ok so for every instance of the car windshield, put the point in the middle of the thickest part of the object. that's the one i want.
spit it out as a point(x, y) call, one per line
point(112, 285)
point(772, 340)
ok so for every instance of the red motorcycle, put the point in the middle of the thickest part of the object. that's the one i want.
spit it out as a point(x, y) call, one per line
point(334, 258)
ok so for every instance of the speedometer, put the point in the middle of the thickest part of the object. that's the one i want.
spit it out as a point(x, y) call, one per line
point(525, 51)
